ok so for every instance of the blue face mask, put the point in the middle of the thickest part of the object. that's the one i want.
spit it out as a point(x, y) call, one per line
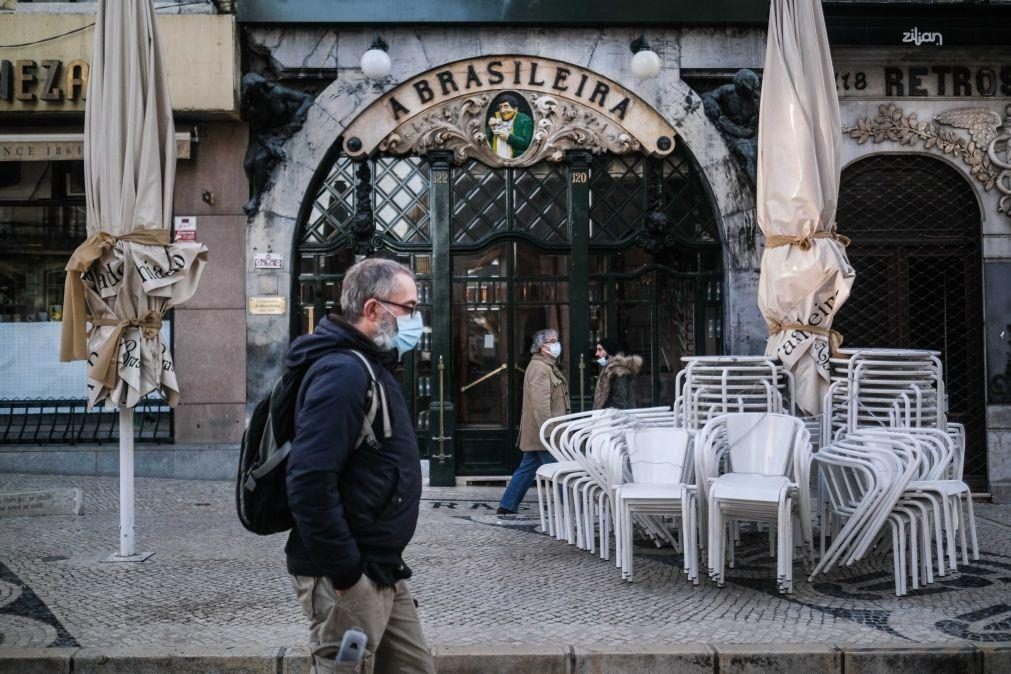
point(408, 333)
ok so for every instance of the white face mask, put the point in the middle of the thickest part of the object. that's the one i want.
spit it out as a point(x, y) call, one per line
point(555, 350)
point(602, 361)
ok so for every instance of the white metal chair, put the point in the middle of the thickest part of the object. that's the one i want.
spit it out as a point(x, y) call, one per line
point(758, 483)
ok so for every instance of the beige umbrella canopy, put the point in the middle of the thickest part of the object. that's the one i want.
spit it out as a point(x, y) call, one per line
point(805, 275)
point(127, 274)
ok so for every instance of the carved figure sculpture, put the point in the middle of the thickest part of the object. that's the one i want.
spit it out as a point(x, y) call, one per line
point(274, 112)
point(509, 130)
point(733, 108)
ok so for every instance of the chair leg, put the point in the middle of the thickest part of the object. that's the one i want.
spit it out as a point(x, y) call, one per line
point(971, 524)
point(538, 481)
point(961, 534)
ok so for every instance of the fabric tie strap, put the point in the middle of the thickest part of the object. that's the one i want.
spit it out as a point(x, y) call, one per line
point(73, 338)
point(804, 242)
point(835, 339)
point(105, 369)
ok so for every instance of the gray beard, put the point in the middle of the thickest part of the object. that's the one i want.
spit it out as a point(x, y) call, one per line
point(385, 335)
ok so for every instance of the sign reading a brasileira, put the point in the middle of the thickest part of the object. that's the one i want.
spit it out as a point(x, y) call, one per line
point(509, 111)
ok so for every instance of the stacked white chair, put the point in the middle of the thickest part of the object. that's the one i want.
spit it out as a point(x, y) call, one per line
point(883, 387)
point(754, 467)
point(903, 390)
point(712, 385)
point(566, 488)
point(867, 474)
point(661, 467)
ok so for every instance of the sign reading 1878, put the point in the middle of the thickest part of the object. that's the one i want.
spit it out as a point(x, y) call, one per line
point(919, 80)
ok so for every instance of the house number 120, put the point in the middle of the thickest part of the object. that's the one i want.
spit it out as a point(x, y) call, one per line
point(580, 177)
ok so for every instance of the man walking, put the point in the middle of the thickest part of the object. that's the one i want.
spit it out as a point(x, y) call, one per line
point(355, 504)
point(545, 395)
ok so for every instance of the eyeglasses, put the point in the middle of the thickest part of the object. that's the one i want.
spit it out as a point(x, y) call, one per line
point(413, 311)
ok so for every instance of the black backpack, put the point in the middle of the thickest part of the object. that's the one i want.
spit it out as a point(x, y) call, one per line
point(261, 498)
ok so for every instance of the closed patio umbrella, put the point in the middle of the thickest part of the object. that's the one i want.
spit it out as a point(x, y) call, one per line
point(805, 275)
point(127, 273)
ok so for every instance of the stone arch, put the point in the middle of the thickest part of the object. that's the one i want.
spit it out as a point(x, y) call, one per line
point(958, 167)
point(915, 222)
point(273, 228)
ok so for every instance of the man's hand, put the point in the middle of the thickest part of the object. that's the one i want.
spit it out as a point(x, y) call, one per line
point(502, 132)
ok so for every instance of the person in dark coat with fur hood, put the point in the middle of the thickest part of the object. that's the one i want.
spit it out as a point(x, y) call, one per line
point(616, 383)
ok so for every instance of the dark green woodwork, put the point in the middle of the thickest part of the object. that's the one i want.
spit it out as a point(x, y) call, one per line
point(442, 455)
point(619, 246)
point(492, 12)
point(580, 359)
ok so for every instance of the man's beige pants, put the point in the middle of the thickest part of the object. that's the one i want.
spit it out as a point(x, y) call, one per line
point(386, 614)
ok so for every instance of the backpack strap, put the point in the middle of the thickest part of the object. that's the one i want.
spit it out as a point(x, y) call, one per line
point(376, 401)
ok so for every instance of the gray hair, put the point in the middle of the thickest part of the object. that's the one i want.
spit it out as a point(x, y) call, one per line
point(374, 277)
point(540, 337)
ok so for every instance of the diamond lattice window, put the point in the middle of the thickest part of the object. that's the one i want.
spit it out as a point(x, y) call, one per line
point(333, 207)
point(400, 193)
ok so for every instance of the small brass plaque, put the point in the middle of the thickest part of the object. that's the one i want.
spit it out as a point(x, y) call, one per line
point(270, 306)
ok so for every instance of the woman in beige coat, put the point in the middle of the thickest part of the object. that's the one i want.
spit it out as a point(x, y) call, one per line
point(545, 395)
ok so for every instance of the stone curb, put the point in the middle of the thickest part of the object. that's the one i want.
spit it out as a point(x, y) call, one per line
point(547, 659)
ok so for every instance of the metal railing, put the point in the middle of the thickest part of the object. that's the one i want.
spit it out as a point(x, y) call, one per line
point(51, 421)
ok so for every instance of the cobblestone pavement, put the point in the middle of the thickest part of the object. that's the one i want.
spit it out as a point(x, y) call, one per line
point(477, 581)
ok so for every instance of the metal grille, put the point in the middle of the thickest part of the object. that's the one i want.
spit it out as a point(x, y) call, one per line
point(915, 226)
point(479, 202)
point(400, 193)
point(540, 207)
point(68, 422)
point(684, 199)
point(617, 197)
point(625, 189)
point(333, 207)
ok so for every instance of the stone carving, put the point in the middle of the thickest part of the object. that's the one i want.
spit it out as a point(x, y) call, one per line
point(733, 108)
point(558, 125)
point(986, 153)
point(274, 113)
point(657, 232)
point(363, 224)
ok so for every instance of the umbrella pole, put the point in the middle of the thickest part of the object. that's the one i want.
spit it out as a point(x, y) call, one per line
point(126, 553)
point(126, 546)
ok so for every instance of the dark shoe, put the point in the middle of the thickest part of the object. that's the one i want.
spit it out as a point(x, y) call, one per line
point(503, 511)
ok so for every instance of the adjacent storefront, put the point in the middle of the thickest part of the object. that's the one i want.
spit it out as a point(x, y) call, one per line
point(43, 86)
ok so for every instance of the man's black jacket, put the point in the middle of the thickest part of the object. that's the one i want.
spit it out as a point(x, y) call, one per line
point(355, 509)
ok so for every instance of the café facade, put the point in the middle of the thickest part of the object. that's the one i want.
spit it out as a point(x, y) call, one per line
point(534, 169)
point(532, 175)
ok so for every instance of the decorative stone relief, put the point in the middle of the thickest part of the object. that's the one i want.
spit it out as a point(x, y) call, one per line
point(509, 99)
point(986, 152)
point(465, 127)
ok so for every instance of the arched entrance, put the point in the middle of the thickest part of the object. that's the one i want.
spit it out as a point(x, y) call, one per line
point(572, 221)
point(915, 225)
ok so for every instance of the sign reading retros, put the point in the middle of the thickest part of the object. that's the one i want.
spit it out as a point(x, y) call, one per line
point(509, 111)
point(940, 79)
